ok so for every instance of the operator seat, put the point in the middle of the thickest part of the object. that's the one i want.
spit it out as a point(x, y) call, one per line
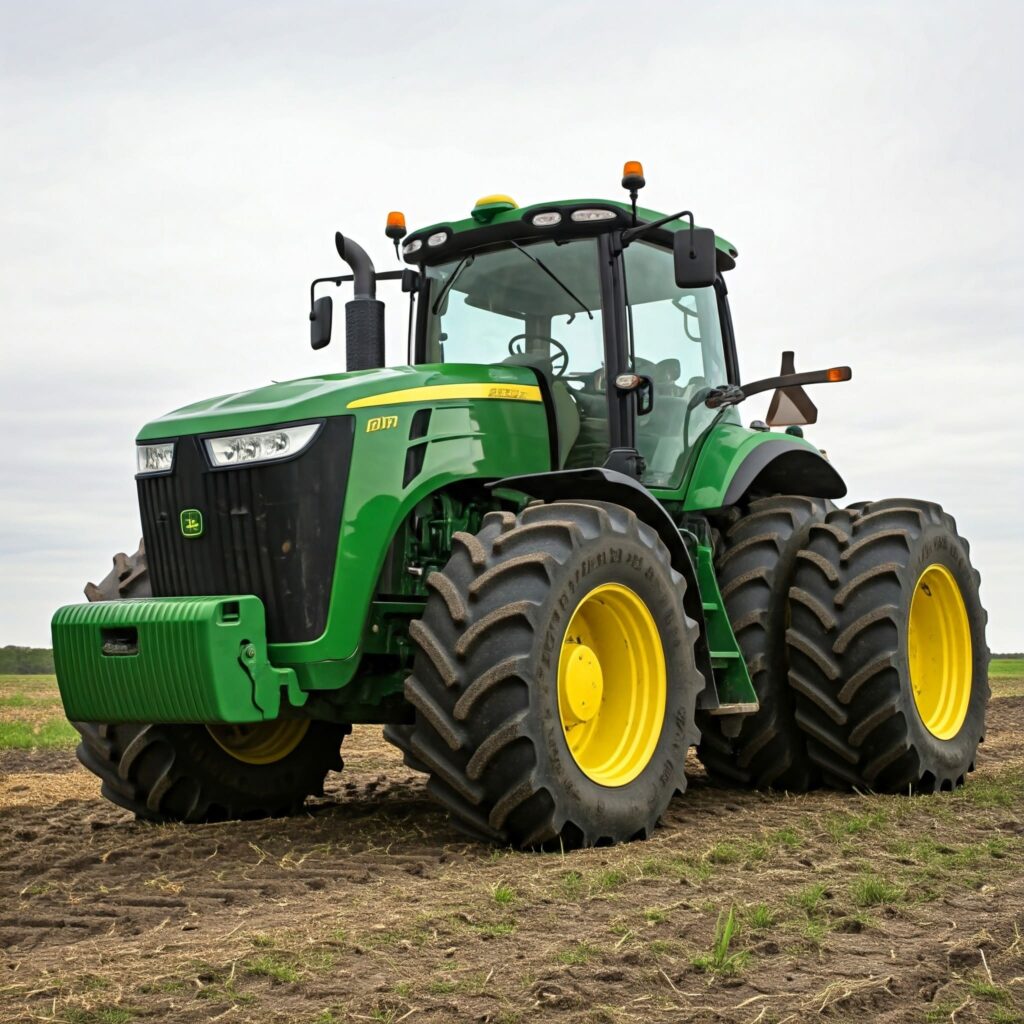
point(567, 415)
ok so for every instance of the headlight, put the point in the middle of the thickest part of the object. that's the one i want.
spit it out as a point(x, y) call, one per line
point(546, 220)
point(262, 447)
point(155, 458)
point(586, 216)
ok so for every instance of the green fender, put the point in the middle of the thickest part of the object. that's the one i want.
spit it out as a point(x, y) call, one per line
point(733, 460)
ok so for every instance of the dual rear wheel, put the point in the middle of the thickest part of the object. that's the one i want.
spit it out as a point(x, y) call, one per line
point(864, 634)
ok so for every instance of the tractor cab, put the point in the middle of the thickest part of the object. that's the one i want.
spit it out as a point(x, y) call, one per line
point(623, 351)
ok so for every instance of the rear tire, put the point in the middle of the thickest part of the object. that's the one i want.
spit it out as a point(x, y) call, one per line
point(887, 650)
point(488, 683)
point(184, 772)
point(754, 563)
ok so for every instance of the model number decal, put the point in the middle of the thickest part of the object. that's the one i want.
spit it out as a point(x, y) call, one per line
point(375, 423)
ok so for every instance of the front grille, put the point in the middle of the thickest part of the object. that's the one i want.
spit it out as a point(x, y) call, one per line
point(269, 530)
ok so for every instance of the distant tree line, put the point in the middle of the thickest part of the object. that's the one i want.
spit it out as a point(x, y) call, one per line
point(1015, 654)
point(26, 661)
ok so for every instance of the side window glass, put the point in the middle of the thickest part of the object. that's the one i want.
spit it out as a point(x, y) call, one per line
point(677, 342)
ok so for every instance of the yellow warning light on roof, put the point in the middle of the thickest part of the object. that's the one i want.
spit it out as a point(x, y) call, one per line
point(395, 228)
point(488, 206)
point(633, 175)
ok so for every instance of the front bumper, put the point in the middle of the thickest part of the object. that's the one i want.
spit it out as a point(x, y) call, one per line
point(169, 659)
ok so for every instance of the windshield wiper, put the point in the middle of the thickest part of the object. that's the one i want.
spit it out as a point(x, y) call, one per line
point(551, 274)
point(463, 263)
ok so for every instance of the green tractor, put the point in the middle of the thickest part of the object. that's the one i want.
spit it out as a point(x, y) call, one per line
point(546, 555)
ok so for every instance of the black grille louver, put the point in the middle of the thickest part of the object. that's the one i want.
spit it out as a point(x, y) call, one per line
point(270, 530)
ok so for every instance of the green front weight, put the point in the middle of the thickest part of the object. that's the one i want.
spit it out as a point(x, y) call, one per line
point(169, 659)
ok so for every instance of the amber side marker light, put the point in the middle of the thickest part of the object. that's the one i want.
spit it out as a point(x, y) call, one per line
point(838, 373)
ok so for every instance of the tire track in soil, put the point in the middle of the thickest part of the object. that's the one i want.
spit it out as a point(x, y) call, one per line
point(379, 907)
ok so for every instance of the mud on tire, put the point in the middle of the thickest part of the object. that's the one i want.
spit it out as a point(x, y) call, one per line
point(179, 772)
point(484, 681)
point(848, 650)
point(754, 562)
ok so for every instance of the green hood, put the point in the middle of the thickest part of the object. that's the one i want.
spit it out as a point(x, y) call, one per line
point(318, 397)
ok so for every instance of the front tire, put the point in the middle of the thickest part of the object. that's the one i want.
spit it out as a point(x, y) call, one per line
point(887, 650)
point(196, 773)
point(555, 682)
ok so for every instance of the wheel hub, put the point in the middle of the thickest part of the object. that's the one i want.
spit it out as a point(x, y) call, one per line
point(612, 683)
point(260, 742)
point(583, 684)
point(939, 652)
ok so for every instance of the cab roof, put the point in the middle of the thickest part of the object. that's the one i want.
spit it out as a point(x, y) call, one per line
point(497, 219)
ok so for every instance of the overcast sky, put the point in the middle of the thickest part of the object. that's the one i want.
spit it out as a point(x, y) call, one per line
point(171, 177)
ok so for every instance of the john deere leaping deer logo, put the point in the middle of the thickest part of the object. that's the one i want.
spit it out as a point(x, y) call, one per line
point(191, 520)
point(375, 423)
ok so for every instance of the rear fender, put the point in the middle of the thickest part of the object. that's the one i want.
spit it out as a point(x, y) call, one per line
point(735, 463)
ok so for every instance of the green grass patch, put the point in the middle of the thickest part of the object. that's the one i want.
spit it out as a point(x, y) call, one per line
point(993, 993)
point(503, 894)
point(57, 732)
point(572, 885)
point(581, 953)
point(759, 917)
point(1003, 790)
point(496, 928)
point(842, 826)
point(1001, 1015)
point(1006, 668)
point(605, 881)
point(725, 853)
point(19, 681)
point(676, 866)
point(875, 891)
point(273, 967)
point(1006, 677)
point(110, 1015)
point(787, 838)
point(809, 899)
point(23, 700)
point(721, 959)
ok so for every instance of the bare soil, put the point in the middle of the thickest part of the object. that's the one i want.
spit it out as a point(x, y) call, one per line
point(372, 907)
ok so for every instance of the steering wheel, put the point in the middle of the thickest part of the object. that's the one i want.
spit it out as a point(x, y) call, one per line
point(559, 361)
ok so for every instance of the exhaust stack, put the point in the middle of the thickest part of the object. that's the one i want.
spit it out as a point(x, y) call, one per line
point(364, 313)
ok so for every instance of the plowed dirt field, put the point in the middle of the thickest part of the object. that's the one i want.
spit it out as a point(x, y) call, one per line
point(370, 907)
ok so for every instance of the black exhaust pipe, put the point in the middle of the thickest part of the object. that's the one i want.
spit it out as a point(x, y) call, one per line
point(364, 314)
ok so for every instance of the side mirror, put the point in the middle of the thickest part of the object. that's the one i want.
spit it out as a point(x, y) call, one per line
point(695, 257)
point(320, 322)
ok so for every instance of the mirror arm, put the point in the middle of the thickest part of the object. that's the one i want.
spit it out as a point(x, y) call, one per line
point(336, 281)
point(641, 229)
point(733, 394)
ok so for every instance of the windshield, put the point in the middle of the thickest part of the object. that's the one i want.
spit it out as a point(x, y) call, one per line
point(537, 305)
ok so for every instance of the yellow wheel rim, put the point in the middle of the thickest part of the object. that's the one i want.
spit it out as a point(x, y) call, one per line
point(611, 685)
point(939, 652)
point(262, 742)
